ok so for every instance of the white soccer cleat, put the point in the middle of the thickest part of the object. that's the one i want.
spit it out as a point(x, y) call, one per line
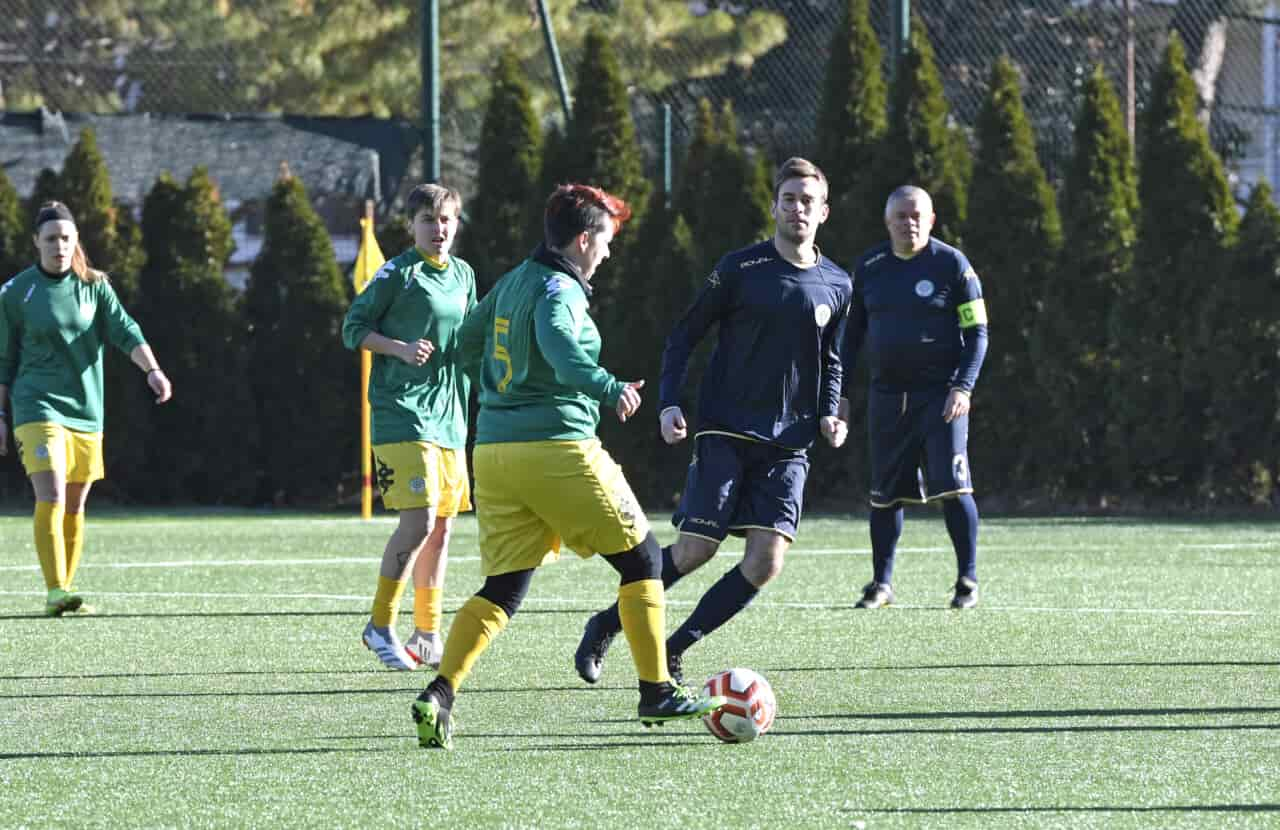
point(384, 643)
point(425, 648)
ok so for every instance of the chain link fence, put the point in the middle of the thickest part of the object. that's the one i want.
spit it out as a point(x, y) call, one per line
point(216, 56)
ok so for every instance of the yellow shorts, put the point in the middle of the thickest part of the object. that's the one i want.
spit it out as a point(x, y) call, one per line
point(416, 474)
point(535, 495)
point(45, 446)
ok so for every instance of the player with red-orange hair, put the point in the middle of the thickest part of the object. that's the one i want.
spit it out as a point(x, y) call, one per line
point(543, 479)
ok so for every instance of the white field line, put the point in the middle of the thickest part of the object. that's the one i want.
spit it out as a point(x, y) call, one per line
point(567, 602)
point(359, 560)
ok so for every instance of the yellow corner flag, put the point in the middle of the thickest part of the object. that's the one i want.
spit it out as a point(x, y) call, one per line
point(368, 261)
point(370, 258)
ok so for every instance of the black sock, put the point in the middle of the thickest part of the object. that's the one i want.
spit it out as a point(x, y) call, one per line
point(886, 527)
point(441, 691)
point(609, 618)
point(731, 593)
point(961, 514)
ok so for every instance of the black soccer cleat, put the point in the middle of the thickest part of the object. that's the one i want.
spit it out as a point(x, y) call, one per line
point(596, 639)
point(875, 595)
point(966, 593)
point(432, 722)
point(678, 703)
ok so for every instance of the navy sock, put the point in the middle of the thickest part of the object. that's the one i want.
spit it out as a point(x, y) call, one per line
point(670, 576)
point(886, 527)
point(962, 524)
point(731, 593)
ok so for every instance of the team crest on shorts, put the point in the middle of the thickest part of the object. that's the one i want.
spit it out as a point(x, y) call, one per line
point(822, 315)
point(418, 484)
point(628, 508)
point(924, 288)
point(42, 452)
point(959, 469)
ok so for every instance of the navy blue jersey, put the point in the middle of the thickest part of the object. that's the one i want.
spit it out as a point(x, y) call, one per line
point(921, 320)
point(776, 366)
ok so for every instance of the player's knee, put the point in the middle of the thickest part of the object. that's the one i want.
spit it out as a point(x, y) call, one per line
point(507, 590)
point(644, 561)
point(416, 522)
point(762, 565)
point(692, 552)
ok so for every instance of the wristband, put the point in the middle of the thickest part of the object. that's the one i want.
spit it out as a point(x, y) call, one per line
point(149, 371)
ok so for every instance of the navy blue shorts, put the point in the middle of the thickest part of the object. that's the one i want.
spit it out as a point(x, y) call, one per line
point(916, 456)
point(735, 484)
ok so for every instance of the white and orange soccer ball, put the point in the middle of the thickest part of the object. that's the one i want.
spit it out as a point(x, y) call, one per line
point(750, 710)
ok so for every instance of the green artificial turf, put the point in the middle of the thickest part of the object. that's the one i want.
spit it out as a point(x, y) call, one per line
point(1117, 673)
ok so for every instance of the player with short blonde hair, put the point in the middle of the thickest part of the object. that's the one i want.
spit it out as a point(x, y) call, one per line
point(409, 316)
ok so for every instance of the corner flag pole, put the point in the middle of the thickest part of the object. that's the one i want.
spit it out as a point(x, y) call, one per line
point(368, 261)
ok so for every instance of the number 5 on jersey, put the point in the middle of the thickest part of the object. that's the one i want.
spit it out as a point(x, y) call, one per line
point(501, 325)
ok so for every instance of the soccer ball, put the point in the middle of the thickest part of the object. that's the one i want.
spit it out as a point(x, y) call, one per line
point(750, 710)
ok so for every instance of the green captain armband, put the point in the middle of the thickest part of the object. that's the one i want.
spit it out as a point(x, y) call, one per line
point(972, 313)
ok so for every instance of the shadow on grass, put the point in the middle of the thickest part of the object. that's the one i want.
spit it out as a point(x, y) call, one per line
point(101, 616)
point(1077, 665)
point(1028, 730)
point(1046, 713)
point(398, 690)
point(1161, 808)
point(183, 753)
point(569, 741)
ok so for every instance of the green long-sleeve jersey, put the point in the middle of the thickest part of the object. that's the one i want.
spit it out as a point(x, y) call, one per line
point(534, 347)
point(52, 331)
point(410, 299)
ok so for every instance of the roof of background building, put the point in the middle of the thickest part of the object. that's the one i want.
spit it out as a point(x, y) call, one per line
point(361, 158)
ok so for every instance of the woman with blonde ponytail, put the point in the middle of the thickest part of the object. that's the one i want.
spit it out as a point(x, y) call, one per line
point(55, 318)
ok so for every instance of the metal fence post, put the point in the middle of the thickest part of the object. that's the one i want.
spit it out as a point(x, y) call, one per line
point(430, 57)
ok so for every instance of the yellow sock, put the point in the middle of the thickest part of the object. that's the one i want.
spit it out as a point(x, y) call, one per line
point(386, 602)
point(475, 625)
point(50, 546)
point(73, 539)
point(428, 608)
point(642, 606)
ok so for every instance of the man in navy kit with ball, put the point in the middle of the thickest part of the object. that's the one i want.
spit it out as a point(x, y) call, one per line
point(773, 384)
point(918, 313)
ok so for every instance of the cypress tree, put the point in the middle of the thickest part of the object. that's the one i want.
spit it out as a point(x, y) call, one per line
point(919, 147)
point(507, 211)
point(16, 254)
point(1244, 429)
point(1073, 349)
point(200, 443)
point(302, 378)
point(600, 149)
point(86, 189)
point(1188, 222)
point(394, 235)
point(654, 295)
point(48, 188)
point(725, 194)
point(128, 402)
point(1013, 238)
point(852, 122)
point(695, 180)
point(16, 251)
